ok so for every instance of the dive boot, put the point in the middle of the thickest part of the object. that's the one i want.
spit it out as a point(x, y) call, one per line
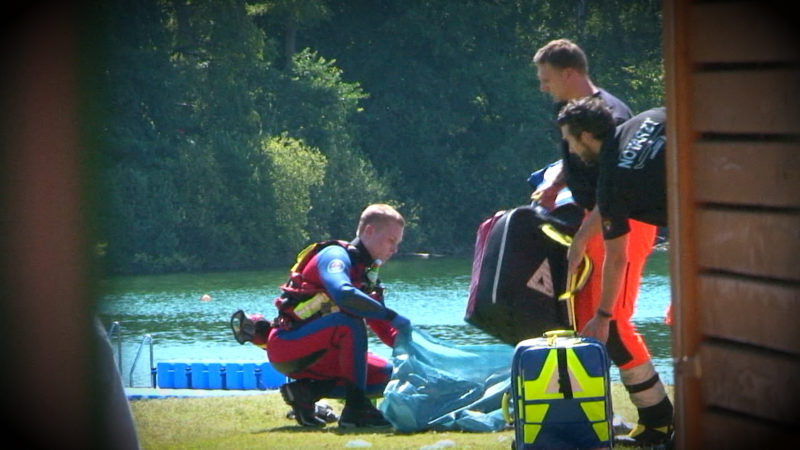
point(300, 396)
point(322, 410)
point(363, 415)
point(648, 437)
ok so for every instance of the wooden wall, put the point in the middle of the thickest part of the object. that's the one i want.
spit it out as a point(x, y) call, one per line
point(58, 387)
point(733, 100)
point(45, 318)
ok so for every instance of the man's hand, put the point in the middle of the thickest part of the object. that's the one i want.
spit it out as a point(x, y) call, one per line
point(400, 323)
point(546, 197)
point(597, 328)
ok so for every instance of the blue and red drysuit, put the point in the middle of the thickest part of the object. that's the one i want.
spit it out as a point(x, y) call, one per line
point(332, 344)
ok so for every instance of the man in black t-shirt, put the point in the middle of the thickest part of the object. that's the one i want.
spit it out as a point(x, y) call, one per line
point(562, 70)
point(631, 177)
point(631, 185)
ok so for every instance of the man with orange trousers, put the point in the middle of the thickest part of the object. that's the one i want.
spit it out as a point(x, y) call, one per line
point(562, 70)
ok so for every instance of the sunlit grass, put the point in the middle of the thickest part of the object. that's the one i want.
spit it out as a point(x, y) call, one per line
point(259, 422)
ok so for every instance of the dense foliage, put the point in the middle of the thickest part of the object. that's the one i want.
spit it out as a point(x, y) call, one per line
point(235, 131)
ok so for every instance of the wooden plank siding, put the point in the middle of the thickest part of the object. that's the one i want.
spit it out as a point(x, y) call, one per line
point(739, 433)
point(745, 31)
point(750, 382)
point(746, 101)
point(766, 313)
point(764, 174)
point(733, 90)
point(686, 338)
point(51, 393)
point(759, 243)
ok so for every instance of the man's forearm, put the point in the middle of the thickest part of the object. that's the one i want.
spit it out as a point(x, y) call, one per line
point(614, 267)
point(589, 227)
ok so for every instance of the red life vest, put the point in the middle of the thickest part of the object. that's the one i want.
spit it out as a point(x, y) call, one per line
point(303, 300)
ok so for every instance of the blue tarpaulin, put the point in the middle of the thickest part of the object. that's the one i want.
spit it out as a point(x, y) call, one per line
point(439, 386)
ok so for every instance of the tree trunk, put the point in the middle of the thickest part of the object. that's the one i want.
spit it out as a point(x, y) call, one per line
point(581, 22)
point(289, 42)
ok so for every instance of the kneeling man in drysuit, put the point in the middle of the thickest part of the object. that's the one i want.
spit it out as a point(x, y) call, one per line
point(319, 337)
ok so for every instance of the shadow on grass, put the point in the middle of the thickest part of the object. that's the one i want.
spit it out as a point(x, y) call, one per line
point(329, 429)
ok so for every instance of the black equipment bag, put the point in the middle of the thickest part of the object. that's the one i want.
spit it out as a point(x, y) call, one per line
point(519, 273)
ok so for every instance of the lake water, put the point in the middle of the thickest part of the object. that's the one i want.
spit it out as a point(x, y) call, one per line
point(432, 293)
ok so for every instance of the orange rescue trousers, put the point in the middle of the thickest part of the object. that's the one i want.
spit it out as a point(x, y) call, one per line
point(625, 345)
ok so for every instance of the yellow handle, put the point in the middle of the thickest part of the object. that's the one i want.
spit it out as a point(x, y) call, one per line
point(550, 231)
point(575, 282)
point(556, 235)
point(559, 333)
point(553, 334)
point(504, 407)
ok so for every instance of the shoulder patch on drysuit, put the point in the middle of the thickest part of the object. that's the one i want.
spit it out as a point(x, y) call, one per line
point(335, 266)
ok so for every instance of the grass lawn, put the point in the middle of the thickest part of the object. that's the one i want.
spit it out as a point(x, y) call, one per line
point(259, 422)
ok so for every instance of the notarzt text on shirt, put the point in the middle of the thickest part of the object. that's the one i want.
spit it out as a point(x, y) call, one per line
point(640, 147)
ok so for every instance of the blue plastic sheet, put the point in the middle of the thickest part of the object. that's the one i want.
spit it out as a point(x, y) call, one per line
point(439, 386)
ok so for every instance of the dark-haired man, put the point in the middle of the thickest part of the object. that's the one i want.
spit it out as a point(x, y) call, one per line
point(631, 185)
point(563, 72)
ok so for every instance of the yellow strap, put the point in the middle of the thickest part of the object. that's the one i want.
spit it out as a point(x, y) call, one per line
point(574, 283)
point(504, 407)
point(556, 235)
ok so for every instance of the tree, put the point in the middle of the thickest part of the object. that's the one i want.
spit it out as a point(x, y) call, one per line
point(203, 130)
point(299, 170)
point(432, 106)
point(454, 119)
point(315, 105)
point(290, 16)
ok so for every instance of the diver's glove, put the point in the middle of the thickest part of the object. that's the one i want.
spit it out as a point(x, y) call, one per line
point(397, 321)
point(402, 341)
point(400, 322)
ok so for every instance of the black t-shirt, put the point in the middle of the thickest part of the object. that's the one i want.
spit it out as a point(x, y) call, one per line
point(632, 181)
point(581, 178)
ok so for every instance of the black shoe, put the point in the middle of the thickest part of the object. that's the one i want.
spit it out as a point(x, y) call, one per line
point(299, 396)
point(322, 410)
point(642, 436)
point(364, 416)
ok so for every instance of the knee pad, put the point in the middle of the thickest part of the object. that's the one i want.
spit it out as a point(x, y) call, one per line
point(617, 351)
